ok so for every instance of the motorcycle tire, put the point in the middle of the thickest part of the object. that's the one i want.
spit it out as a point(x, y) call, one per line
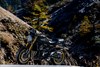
point(23, 56)
point(60, 60)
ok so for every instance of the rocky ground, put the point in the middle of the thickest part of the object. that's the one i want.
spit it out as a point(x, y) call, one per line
point(12, 32)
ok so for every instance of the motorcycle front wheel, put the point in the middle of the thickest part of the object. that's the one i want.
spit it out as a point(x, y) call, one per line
point(23, 56)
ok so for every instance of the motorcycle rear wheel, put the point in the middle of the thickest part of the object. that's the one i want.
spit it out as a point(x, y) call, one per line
point(60, 60)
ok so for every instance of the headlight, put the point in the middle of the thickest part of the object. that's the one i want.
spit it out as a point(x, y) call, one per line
point(29, 38)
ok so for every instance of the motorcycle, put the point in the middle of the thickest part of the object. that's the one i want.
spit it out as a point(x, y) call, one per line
point(43, 49)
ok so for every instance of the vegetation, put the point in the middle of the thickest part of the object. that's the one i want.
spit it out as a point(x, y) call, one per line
point(85, 26)
point(39, 19)
point(76, 22)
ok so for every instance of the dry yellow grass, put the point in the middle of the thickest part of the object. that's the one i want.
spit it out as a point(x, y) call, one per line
point(7, 37)
point(2, 27)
